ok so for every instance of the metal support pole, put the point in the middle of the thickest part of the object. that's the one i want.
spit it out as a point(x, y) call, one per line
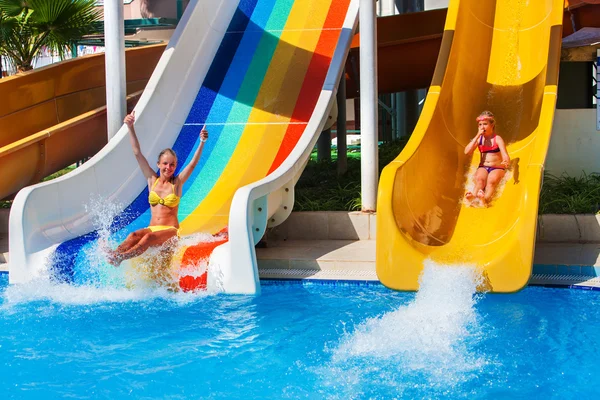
point(384, 107)
point(394, 117)
point(342, 146)
point(411, 107)
point(400, 117)
point(324, 146)
point(116, 91)
point(179, 9)
point(368, 105)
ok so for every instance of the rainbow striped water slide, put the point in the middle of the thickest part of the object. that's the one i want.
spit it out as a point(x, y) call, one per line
point(261, 75)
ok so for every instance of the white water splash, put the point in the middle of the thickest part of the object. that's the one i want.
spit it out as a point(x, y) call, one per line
point(99, 282)
point(77, 295)
point(93, 268)
point(430, 337)
point(158, 267)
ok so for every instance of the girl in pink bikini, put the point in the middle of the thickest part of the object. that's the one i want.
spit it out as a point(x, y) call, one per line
point(494, 158)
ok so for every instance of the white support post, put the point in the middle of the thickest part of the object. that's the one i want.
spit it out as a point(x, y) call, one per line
point(116, 90)
point(598, 90)
point(368, 105)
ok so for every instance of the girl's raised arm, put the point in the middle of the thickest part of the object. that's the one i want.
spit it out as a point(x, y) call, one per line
point(137, 151)
point(473, 143)
point(187, 171)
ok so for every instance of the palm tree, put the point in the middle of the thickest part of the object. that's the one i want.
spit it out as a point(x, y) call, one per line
point(26, 26)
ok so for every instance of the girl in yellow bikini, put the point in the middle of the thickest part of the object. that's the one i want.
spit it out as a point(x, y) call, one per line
point(165, 191)
point(494, 158)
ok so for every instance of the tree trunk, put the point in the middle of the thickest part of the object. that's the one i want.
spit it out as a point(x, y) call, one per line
point(147, 8)
point(24, 68)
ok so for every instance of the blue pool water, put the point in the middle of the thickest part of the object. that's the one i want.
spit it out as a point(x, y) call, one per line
point(298, 341)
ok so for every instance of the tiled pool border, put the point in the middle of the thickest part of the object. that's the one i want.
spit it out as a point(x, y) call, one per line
point(549, 273)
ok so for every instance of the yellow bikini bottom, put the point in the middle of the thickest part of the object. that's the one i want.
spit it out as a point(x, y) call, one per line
point(158, 228)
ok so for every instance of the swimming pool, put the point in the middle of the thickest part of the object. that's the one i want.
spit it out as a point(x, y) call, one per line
point(297, 341)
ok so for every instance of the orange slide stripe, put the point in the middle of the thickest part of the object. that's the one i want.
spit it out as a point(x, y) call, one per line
point(313, 80)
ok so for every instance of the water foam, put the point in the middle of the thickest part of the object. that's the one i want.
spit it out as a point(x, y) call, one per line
point(157, 267)
point(431, 337)
point(96, 281)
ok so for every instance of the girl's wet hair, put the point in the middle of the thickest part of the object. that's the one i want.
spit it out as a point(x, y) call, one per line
point(487, 115)
point(167, 151)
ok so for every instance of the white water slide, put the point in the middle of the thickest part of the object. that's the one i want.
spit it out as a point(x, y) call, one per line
point(262, 76)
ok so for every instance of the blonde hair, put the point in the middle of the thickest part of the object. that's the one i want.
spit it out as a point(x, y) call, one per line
point(487, 115)
point(165, 151)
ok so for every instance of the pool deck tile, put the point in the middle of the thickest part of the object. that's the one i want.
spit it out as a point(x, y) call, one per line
point(573, 265)
point(555, 264)
point(558, 253)
point(318, 255)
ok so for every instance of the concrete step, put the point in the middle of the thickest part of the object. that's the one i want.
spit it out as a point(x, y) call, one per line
point(352, 260)
point(317, 255)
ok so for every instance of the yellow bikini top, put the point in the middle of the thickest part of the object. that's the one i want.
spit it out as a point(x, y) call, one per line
point(170, 200)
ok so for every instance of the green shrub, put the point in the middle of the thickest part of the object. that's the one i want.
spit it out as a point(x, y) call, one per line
point(570, 195)
point(321, 189)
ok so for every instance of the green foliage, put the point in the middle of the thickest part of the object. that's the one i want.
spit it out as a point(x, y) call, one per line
point(570, 195)
point(59, 173)
point(27, 26)
point(321, 189)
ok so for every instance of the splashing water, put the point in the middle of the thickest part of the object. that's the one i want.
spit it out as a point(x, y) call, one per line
point(153, 275)
point(157, 267)
point(64, 294)
point(103, 212)
point(430, 337)
point(92, 266)
point(163, 267)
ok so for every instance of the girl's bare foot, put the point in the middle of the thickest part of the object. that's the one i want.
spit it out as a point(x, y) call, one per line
point(481, 198)
point(469, 195)
point(113, 259)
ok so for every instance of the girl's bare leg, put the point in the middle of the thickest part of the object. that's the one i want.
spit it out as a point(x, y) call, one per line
point(493, 180)
point(132, 240)
point(150, 239)
point(480, 179)
point(128, 243)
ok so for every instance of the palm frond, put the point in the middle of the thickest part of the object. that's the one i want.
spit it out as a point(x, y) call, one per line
point(33, 24)
point(13, 8)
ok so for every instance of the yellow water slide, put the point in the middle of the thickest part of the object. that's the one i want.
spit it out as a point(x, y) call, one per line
point(497, 55)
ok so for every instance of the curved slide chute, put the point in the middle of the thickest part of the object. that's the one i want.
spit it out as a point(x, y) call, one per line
point(501, 56)
point(54, 116)
point(262, 76)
